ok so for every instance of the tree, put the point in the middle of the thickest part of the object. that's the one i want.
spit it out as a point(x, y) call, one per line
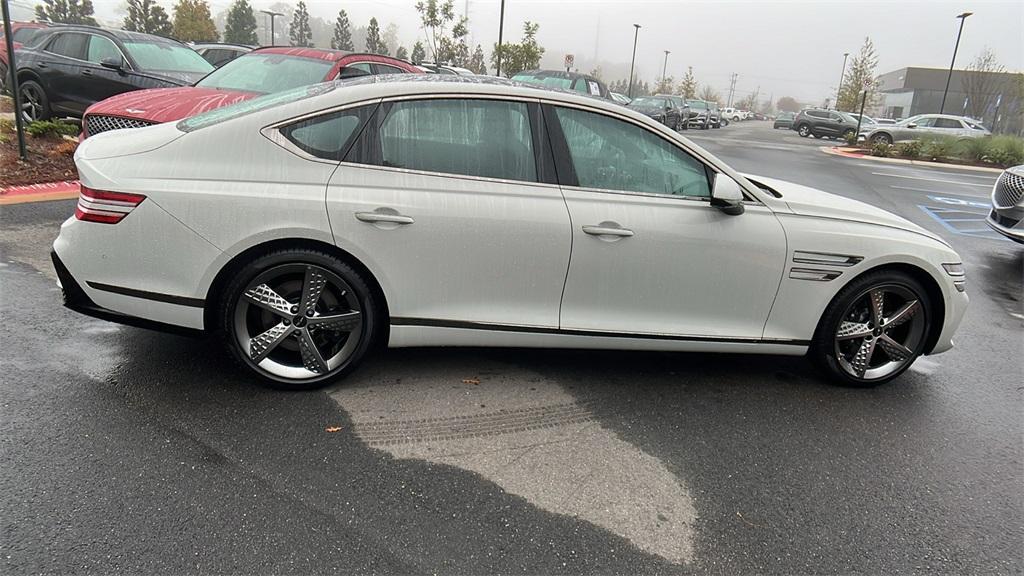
point(401, 53)
point(418, 53)
point(66, 12)
point(522, 56)
point(688, 85)
point(192, 22)
point(788, 104)
point(241, 24)
point(859, 76)
point(374, 44)
point(664, 85)
point(435, 16)
point(748, 102)
point(389, 37)
point(299, 31)
point(342, 39)
point(980, 84)
point(709, 94)
point(454, 50)
point(478, 63)
point(147, 16)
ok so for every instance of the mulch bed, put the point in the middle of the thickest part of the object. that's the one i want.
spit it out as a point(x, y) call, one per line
point(49, 160)
point(6, 104)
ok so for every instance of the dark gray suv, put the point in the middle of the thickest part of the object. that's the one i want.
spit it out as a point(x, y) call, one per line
point(824, 124)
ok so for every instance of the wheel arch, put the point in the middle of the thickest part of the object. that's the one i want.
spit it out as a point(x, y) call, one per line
point(931, 286)
point(223, 277)
point(29, 74)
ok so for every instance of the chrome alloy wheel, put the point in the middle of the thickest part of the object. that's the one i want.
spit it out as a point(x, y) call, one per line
point(31, 104)
point(880, 332)
point(298, 321)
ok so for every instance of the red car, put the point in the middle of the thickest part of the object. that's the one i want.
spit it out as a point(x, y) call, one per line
point(21, 32)
point(262, 71)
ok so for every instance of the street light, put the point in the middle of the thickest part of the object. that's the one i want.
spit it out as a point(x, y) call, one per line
point(962, 17)
point(501, 29)
point(632, 62)
point(664, 67)
point(841, 77)
point(272, 14)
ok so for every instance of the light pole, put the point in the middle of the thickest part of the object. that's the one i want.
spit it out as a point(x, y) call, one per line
point(501, 29)
point(841, 76)
point(962, 17)
point(664, 67)
point(632, 62)
point(272, 15)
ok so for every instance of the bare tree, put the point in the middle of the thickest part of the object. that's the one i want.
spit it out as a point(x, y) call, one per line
point(710, 94)
point(979, 83)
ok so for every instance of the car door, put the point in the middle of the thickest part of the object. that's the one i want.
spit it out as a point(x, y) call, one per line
point(60, 66)
point(96, 81)
point(455, 207)
point(948, 127)
point(832, 124)
point(921, 126)
point(650, 255)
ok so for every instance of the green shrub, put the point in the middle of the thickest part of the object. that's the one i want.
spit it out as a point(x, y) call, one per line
point(45, 128)
point(881, 149)
point(911, 149)
point(851, 139)
point(974, 149)
point(6, 126)
point(1004, 150)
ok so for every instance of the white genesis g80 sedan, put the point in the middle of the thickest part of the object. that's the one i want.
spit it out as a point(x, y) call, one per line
point(304, 228)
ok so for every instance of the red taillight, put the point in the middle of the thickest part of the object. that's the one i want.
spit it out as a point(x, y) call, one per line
point(105, 207)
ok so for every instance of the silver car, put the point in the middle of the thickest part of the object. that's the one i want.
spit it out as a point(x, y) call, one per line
point(1008, 204)
point(925, 124)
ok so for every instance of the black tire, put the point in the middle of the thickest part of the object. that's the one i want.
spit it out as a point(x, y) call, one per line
point(677, 126)
point(881, 138)
point(32, 92)
point(3, 78)
point(804, 130)
point(372, 315)
point(825, 345)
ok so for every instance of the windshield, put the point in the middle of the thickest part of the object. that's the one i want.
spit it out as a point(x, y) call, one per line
point(267, 73)
point(245, 107)
point(650, 103)
point(697, 104)
point(166, 57)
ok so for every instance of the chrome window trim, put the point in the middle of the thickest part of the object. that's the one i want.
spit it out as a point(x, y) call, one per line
point(826, 258)
point(448, 175)
point(90, 62)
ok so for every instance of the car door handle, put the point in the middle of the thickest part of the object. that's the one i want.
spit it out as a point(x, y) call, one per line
point(605, 230)
point(86, 72)
point(373, 217)
point(42, 64)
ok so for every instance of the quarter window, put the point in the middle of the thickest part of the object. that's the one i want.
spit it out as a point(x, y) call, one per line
point(485, 138)
point(612, 154)
point(328, 136)
point(355, 70)
point(386, 69)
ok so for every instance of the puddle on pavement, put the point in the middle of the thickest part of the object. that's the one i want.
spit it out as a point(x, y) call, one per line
point(529, 436)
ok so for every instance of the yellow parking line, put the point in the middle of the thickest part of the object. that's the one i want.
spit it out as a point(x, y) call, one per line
point(40, 197)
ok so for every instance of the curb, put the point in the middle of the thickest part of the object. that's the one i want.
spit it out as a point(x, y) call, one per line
point(64, 190)
point(845, 153)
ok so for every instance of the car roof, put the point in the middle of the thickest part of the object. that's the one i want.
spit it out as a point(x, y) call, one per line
point(316, 53)
point(119, 34)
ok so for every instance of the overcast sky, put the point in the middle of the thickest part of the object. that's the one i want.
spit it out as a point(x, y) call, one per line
point(784, 48)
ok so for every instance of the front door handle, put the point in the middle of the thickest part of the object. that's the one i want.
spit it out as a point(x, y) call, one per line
point(86, 72)
point(373, 217)
point(605, 229)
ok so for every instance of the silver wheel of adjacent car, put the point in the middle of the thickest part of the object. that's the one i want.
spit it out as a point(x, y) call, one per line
point(882, 138)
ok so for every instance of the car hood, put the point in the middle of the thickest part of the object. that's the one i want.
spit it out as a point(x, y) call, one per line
point(167, 104)
point(807, 201)
point(174, 77)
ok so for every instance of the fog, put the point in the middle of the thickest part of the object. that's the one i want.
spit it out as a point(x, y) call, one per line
point(779, 48)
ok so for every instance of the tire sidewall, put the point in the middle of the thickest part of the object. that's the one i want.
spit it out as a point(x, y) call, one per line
point(44, 113)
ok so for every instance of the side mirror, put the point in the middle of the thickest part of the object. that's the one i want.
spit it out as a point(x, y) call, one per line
point(912, 125)
point(114, 63)
point(727, 195)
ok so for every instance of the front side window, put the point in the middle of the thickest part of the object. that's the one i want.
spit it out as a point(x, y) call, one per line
point(328, 136)
point(166, 57)
point(611, 154)
point(266, 73)
point(101, 48)
point(924, 122)
point(70, 45)
point(485, 138)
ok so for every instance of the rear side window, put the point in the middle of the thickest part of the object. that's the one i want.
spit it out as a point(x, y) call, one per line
point(485, 138)
point(69, 45)
point(385, 69)
point(23, 35)
point(948, 123)
point(329, 136)
point(355, 70)
point(100, 48)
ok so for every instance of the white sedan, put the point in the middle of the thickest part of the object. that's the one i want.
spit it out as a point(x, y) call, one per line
point(306, 227)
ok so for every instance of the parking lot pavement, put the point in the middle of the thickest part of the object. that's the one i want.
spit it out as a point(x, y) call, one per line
point(128, 451)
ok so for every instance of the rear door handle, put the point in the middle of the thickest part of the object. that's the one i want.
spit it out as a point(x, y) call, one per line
point(606, 230)
point(372, 217)
point(42, 64)
point(86, 72)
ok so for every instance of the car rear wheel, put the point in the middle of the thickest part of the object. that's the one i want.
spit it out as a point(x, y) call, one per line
point(299, 319)
point(34, 104)
point(3, 78)
point(804, 130)
point(874, 329)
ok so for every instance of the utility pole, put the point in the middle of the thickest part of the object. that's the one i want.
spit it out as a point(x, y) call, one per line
point(501, 30)
point(963, 18)
point(732, 88)
point(273, 36)
point(632, 62)
point(664, 67)
point(19, 118)
point(842, 75)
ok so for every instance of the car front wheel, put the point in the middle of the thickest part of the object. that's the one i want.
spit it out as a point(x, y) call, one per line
point(874, 329)
point(881, 139)
point(298, 319)
point(34, 104)
point(804, 130)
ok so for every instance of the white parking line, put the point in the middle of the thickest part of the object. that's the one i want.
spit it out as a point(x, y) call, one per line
point(939, 192)
point(931, 179)
point(932, 171)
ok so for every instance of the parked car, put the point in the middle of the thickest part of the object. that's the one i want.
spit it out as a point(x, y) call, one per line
point(220, 54)
point(21, 33)
point(433, 68)
point(732, 114)
point(620, 98)
point(700, 114)
point(914, 127)
point(262, 71)
point(1008, 204)
point(583, 83)
point(661, 109)
point(417, 213)
point(885, 120)
point(65, 69)
point(784, 120)
point(681, 106)
point(865, 120)
point(824, 123)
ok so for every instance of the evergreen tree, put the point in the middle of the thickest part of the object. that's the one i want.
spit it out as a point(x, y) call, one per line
point(859, 75)
point(688, 85)
point(373, 41)
point(664, 85)
point(342, 39)
point(418, 53)
point(299, 32)
point(241, 24)
point(66, 12)
point(401, 53)
point(478, 63)
point(149, 17)
point(193, 23)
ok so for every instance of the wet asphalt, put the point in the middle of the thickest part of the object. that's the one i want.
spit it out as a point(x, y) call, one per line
point(127, 451)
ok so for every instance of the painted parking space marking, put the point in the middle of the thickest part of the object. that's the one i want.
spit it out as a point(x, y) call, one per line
point(930, 191)
point(931, 179)
point(926, 170)
point(966, 221)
